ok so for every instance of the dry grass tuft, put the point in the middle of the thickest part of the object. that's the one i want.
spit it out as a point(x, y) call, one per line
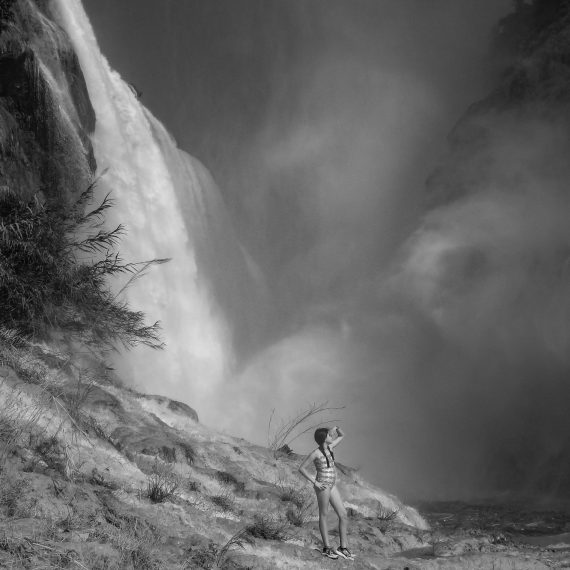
point(163, 482)
point(215, 557)
point(280, 438)
point(268, 527)
point(226, 478)
point(386, 518)
point(13, 488)
point(225, 501)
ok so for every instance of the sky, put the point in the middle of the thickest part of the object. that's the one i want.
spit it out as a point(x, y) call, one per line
point(321, 121)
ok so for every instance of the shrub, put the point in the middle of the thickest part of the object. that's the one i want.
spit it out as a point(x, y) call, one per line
point(135, 542)
point(300, 496)
point(386, 518)
point(26, 358)
point(16, 420)
point(189, 452)
point(291, 494)
point(298, 515)
point(51, 451)
point(215, 557)
point(36, 553)
point(75, 398)
point(293, 516)
point(226, 478)
point(239, 540)
point(268, 527)
point(193, 486)
point(57, 454)
point(13, 490)
point(202, 557)
point(162, 483)
point(226, 501)
point(54, 263)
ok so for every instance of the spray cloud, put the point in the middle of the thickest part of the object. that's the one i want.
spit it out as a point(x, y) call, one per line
point(444, 332)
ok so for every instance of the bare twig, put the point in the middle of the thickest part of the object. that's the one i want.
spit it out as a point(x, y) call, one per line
point(283, 434)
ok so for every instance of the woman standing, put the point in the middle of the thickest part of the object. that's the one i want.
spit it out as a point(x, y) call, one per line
point(324, 484)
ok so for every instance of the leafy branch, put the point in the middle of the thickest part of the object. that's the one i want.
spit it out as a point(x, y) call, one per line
point(55, 260)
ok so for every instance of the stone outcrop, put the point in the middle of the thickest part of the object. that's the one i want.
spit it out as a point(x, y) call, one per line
point(534, 89)
point(45, 112)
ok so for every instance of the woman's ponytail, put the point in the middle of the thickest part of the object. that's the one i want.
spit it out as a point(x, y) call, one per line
point(320, 437)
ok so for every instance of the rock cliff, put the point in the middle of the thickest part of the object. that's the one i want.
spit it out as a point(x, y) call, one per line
point(45, 112)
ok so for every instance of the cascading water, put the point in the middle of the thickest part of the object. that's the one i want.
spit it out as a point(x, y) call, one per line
point(171, 208)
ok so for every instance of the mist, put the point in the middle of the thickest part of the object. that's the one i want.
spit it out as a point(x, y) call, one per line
point(435, 313)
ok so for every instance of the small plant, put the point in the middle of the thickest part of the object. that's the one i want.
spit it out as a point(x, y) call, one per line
point(133, 537)
point(37, 554)
point(291, 492)
point(189, 453)
point(135, 543)
point(51, 451)
point(386, 518)
point(268, 527)
point(238, 540)
point(201, 557)
point(70, 521)
point(294, 495)
point(75, 398)
point(13, 490)
point(226, 501)
point(301, 511)
point(226, 478)
point(295, 517)
point(162, 482)
point(230, 480)
point(192, 486)
point(215, 557)
point(16, 421)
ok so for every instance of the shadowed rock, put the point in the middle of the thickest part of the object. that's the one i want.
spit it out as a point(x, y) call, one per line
point(44, 137)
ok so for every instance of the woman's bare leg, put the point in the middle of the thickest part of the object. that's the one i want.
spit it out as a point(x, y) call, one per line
point(338, 506)
point(323, 498)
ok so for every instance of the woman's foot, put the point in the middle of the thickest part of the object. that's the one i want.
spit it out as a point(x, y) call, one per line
point(345, 553)
point(327, 551)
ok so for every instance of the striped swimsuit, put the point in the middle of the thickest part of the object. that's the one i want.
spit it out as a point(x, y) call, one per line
point(326, 475)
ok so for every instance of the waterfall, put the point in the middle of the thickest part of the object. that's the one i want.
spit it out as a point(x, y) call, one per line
point(170, 207)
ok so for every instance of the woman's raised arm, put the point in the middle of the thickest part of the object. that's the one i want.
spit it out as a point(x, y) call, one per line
point(340, 435)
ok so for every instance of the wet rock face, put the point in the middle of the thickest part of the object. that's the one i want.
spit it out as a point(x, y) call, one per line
point(45, 111)
point(534, 89)
point(173, 405)
point(153, 441)
point(183, 409)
